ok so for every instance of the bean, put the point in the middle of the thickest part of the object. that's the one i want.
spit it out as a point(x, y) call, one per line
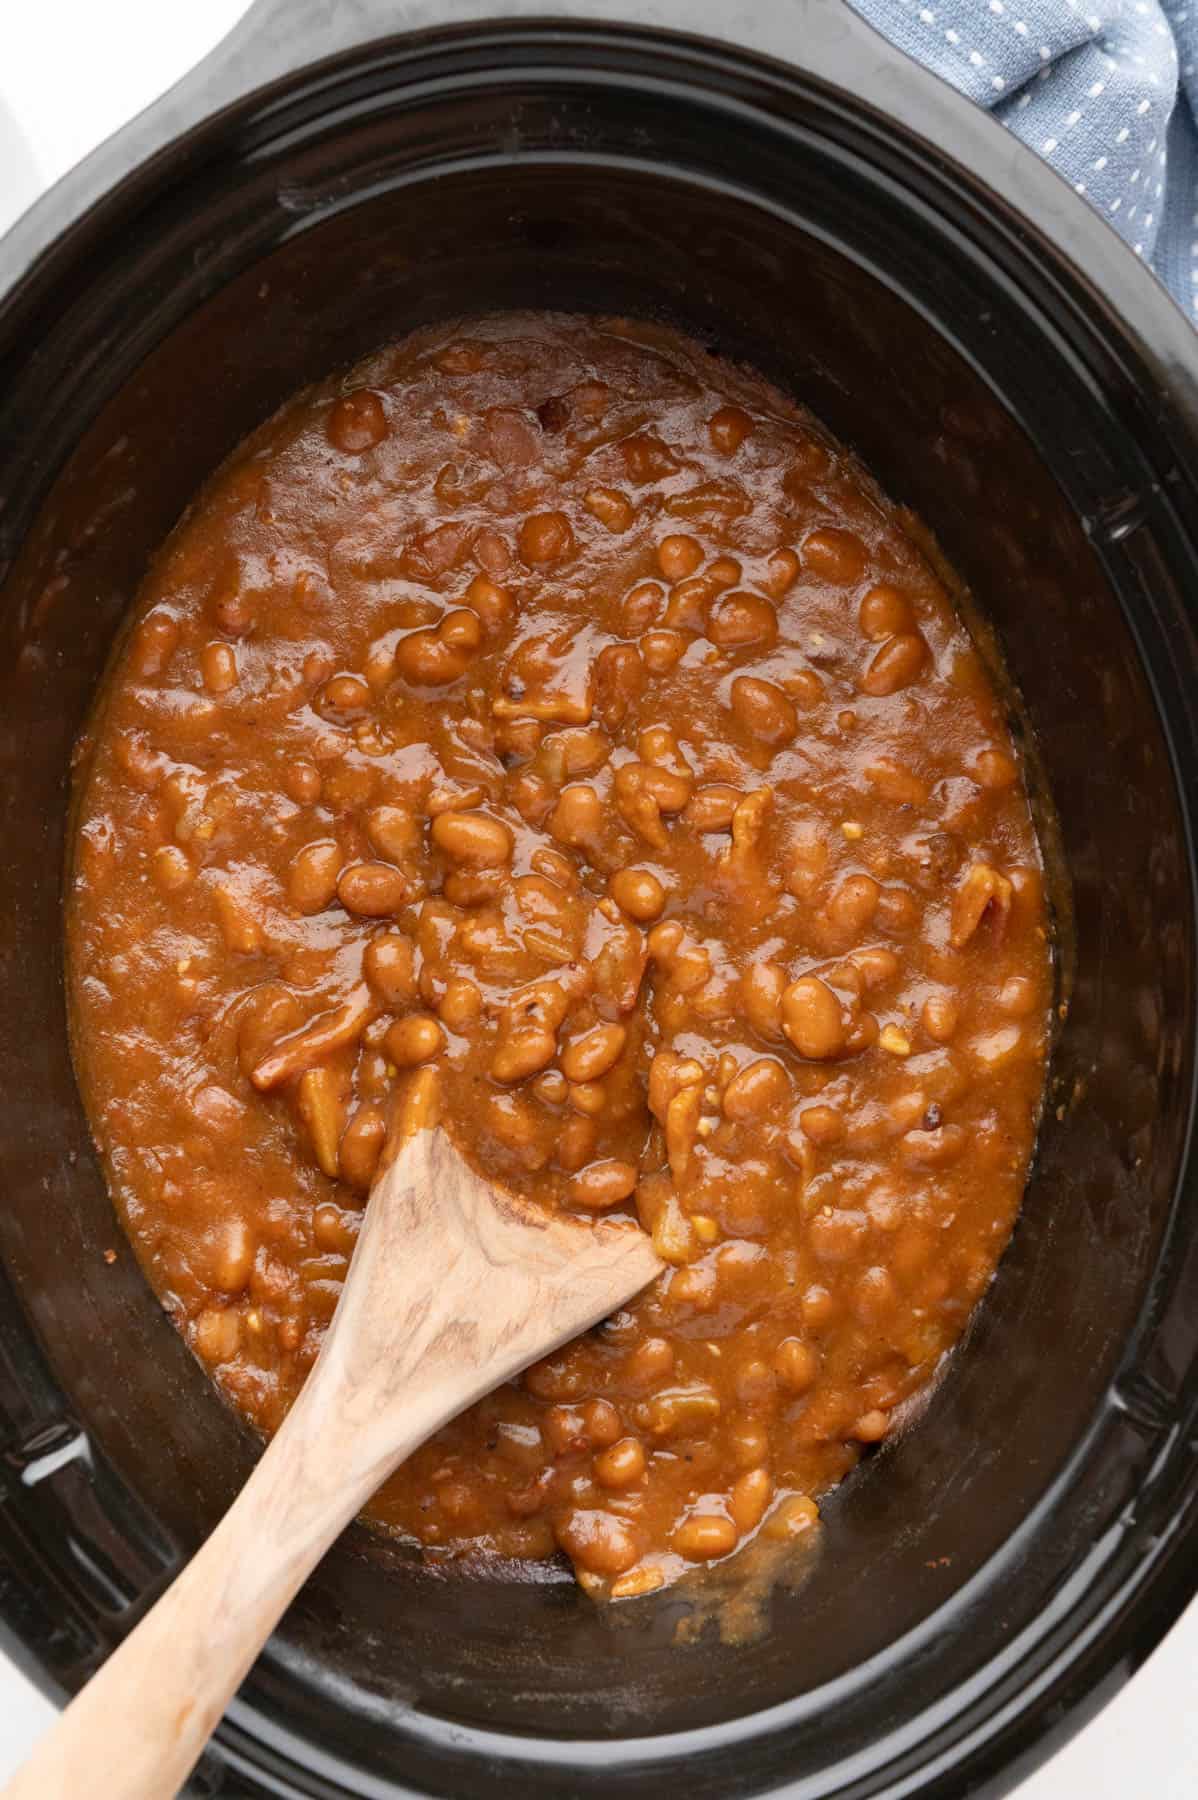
point(704, 1536)
point(875, 1296)
point(781, 573)
point(603, 1184)
point(551, 1088)
point(389, 965)
point(154, 643)
point(658, 744)
point(218, 666)
point(665, 941)
point(318, 667)
point(362, 1145)
point(589, 1057)
point(884, 613)
point(756, 1090)
point(686, 608)
point(371, 889)
point(564, 1431)
point(933, 1149)
point(804, 687)
point(461, 1004)
point(811, 1019)
point(476, 839)
point(761, 989)
point(577, 819)
point(756, 1389)
point(897, 783)
point(895, 665)
point(641, 608)
point(822, 1124)
point(851, 906)
point(1017, 996)
point(722, 572)
point(545, 538)
point(939, 1017)
point(343, 697)
point(233, 1257)
point(613, 509)
point(524, 1051)
point(763, 711)
point(554, 867)
point(728, 428)
point(751, 1494)
point(587, 1097)
point(240, 922)
point(642, 793)
point(792, 1517)
point(621, 1465)
point(357, 422)
point(835, 555)
point(797, 1364)
point(579, 750)
point(598, 1542)
point(995, 769)
point(216, 1334)
point(302, 781)
point(897, 910)
point(712, 808)
point(739, 620)
point(576, 1143)
point(837, 1235)
point(683, 1410)
point(432, 658)
point(651, 1362)
point(492, 604)
point(662, 650)
point(348, 788)
point(461, 629)
point(603, 1422)
point(172, 868)
point(639, 893)
point(619, 680)
point(907, 1111)
point(679, 556)
point(312, 877)
point(876, 966)
point(394, 831)
point(871, 1427)
point(547, 1001)
point(413, 1040)
point(749, 1442)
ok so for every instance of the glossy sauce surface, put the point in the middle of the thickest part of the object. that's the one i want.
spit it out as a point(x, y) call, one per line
point(549, 712)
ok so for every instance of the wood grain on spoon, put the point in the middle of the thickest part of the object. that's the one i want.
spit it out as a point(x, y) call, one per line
point(453, 1288)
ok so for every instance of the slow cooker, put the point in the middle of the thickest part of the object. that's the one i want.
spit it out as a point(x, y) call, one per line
point(780, 182)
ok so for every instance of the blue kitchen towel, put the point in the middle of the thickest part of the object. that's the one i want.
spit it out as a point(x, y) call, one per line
point(1104, 90)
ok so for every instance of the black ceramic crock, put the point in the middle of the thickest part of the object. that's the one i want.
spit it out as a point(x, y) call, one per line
point(783, 184)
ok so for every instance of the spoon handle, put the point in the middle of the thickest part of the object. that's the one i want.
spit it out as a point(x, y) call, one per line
point(137, 1728)
point(452, 1289)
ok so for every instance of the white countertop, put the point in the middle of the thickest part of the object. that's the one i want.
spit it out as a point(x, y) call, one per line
point(71, 72)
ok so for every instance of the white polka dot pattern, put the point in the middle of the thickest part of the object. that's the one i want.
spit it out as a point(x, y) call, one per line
point(1106, 91)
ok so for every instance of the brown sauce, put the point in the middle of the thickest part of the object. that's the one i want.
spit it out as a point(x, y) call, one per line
point(550, 710)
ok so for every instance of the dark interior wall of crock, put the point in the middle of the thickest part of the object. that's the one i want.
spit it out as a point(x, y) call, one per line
point(891, 384)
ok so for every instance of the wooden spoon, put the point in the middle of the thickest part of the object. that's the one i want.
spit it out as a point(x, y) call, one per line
point(452, 1289)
